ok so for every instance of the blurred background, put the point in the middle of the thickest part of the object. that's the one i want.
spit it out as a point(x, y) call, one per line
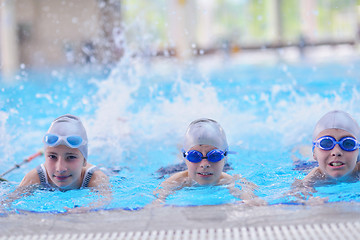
point(54, 33)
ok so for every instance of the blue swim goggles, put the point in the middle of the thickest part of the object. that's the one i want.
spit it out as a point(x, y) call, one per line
point(53, 140)
point(214, 155)
point(327, 143)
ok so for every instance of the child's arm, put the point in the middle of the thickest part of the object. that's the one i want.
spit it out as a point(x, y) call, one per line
point(357, 169)
point(173, 183)
point(304, 189)
point(309, 180)
point(246, 190)
point(27, 186)
point(99, 179)
point(313, 176)
point(99, 183)
point(31, 178)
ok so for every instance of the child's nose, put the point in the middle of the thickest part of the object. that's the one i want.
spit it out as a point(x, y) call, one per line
point(60, 166)
point(336, 151)
point(205, 163)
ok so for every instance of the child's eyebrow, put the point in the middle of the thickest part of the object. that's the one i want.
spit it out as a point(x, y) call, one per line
point(344, 136)
point(52, 153)
point(70, 153)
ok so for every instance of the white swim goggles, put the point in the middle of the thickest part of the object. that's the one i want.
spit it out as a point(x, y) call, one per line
point(53, 140)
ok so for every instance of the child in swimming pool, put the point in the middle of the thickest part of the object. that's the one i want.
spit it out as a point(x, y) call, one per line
point(336, 149)
point(66, 153)
point(205, 151)
point(66, 166)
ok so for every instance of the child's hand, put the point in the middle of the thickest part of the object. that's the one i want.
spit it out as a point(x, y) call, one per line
point(77, 210)
point(301, 190)
point(313, 201)
point(2, 211)
point(302, 193)
point(316, 201)
point(155, 204)
point(255, 202)
point(158, 202)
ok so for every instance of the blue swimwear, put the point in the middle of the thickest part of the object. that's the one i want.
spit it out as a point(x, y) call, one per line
point(45, 183)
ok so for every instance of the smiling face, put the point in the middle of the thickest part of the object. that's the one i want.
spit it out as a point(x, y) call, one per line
point(336, 163)
point(205, 172)
point(64, 166)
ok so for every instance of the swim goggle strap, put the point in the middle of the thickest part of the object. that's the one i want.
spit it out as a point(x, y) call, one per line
point(327, 143)
point(53, 140)
point(214, 155)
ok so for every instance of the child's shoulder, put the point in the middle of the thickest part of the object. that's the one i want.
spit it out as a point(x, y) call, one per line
point(227, 178)
point(314, 177)
point(98, 178)
point(30, 178)
point(357, 170)
point(179, 178)
point(314, 174)
point(357, 166)
point(236, 179)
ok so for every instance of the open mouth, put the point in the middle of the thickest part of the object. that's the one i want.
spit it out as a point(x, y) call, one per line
point(336, 164)
point(205, 174)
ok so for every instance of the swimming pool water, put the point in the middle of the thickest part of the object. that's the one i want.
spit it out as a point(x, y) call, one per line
point(136, 115)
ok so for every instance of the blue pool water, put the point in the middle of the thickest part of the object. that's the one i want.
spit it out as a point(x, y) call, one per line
point(137, 113)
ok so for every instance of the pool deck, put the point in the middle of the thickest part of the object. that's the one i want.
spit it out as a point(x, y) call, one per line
point(177, 218)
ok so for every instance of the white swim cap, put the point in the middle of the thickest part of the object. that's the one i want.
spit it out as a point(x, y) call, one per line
point(337, 119)
point(205, 131)
point(69, 125)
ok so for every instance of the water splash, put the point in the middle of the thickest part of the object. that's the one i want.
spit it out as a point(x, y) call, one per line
point(6, 151)
point(136, 116)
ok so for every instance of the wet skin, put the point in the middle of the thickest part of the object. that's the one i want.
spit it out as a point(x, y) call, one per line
point(64, 167)
point(336, 163)
point(205, 172)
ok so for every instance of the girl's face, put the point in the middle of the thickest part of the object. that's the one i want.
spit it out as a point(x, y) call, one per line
point(205, 172)
point(336, 163)
point(64, 166)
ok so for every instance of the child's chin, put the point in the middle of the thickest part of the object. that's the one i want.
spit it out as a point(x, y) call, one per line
point(205, 183)
point(338, 176)
point(63, 186)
